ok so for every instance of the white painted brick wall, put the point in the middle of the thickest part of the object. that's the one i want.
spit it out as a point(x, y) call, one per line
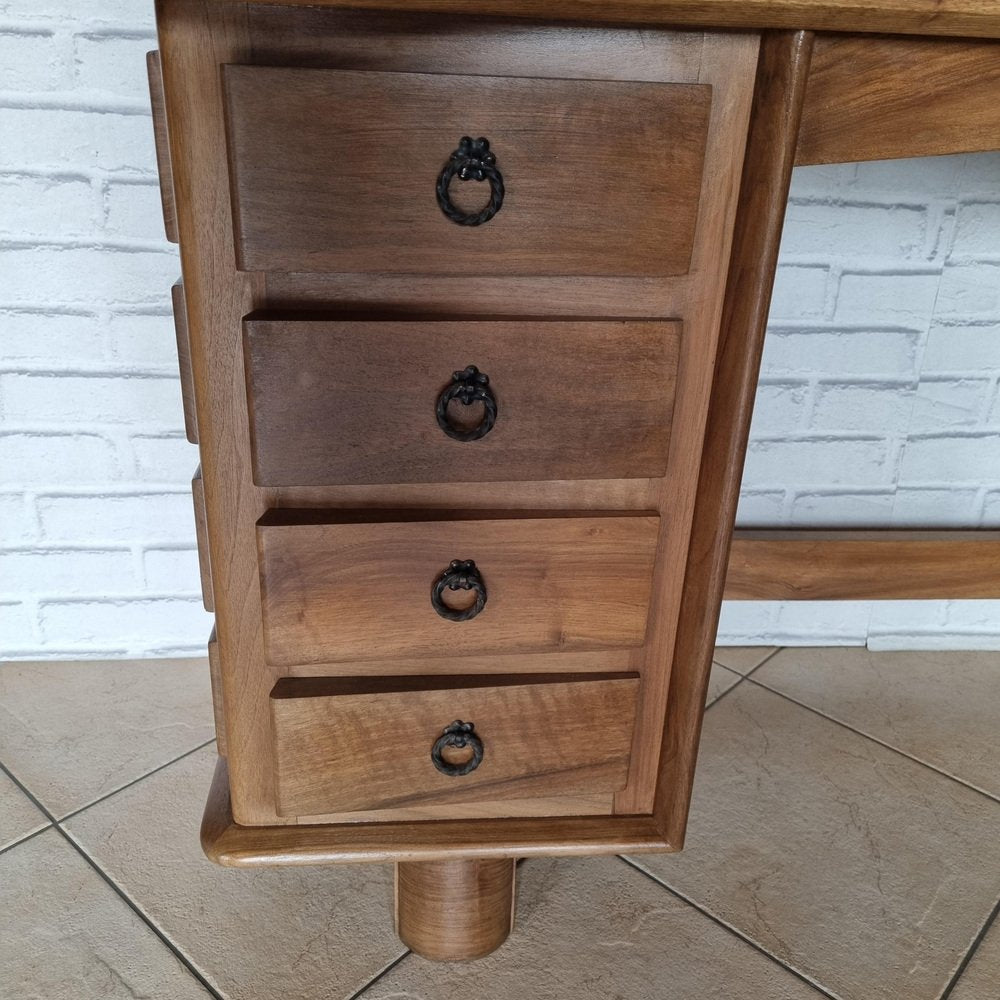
point(97, 545)
point(878, 403)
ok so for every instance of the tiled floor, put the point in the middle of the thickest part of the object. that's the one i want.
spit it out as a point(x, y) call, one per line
point(843, 843)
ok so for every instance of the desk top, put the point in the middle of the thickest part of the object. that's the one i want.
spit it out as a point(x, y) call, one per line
point(972, 18)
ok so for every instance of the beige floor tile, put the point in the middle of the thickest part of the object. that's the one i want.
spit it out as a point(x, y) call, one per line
point(319, 932)
point(940, 707)
point(595, 929)
point(19, 816)
point(720, 681)
point(72, 732)
point(68, 936)
point(981, 978)
point(866, 871)
point(742, 659)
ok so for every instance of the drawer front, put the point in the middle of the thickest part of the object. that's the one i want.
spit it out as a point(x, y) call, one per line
point(335, 170)
point(184, 360)
point(358, 590)
point(359, 402)
point(343, 745)
point(154, 73)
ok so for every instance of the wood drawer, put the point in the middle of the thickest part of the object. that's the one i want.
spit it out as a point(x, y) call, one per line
point(336, 170)
point(337, 586)
point(343, 745)
point(356, 402)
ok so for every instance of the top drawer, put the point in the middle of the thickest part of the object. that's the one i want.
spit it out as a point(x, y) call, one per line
point(335, 170)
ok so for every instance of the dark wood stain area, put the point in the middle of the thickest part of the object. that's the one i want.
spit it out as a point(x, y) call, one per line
point(355, 402)
point(334, 170)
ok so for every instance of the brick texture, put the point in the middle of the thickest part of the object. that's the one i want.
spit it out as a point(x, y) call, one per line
point(878, 405)
point(96, 527)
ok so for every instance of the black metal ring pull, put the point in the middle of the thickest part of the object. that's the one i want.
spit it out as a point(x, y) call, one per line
point(472, 161)
point(461, 574)
point(458, 735)
point(468, 387)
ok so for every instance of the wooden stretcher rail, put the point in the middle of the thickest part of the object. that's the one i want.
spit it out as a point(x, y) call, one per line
point(863, 565)
point(970, 18)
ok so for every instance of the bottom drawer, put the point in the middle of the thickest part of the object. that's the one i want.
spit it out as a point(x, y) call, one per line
point(362, 743)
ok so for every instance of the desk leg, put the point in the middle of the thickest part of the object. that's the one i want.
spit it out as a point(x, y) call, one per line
point(454, 910)
point(779, 93)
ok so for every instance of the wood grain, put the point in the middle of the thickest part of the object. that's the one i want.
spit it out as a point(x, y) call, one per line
point(194, 39)
point(357, 591)
point(327, 37)
point(355, 402)
point(778, 99)
point(407, 41)
point(455, 910)
point(244, 846)
point(199, 35)
point(365, 743)
point(403, 42)
point(184, 361)
point(563, 146)
point(974, 18)
point(537, 806)
point(215, 675)
point(564, 494)
point(201, 532)
point(877, 98)
point(728, 65)
point(863, 566)
point(155, 77)
point(406, 296)
point(596, 661)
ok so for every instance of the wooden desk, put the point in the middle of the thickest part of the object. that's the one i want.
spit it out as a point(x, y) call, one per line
point(830, 82)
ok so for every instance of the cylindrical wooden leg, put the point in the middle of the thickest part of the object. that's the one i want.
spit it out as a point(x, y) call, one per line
point(453, 910)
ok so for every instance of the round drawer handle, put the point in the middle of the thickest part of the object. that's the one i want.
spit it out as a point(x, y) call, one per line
point(458, 735)
point(472, 161)
point(468, 387)
point(460, 575)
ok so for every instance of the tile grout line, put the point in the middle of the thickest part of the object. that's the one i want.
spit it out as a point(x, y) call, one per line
point(740, 678)
point(134, 781)
point(141, 914)
point(970, 954)
point(378, 975)
point(991, 917)
point(729, 690)
point(25, 838)
point(120, 893)
point(735, 931)
point(874, 739)
point(56, 824)
point(767, 659)
point(718, 698)
point(20, 784)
